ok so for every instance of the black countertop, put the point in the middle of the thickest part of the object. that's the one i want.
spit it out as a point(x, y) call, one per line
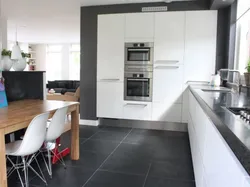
point(233, 129)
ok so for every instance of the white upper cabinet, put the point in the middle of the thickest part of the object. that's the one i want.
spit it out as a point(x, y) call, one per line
point(169, 37)
point(200, 45)
point(110, 48)
point(140, 26)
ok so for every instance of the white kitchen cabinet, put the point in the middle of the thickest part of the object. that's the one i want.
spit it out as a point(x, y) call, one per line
point(110, 47)
point(139, 25)
point(137, 110)
point(185, 105)
point(109, 99)
point(168, 112)
point(200, 45)
point(167, 83)
point(169, 37)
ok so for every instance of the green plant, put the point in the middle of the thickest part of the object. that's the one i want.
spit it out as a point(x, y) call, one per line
point(25, 55)
point(248, 66)
point(6, 52)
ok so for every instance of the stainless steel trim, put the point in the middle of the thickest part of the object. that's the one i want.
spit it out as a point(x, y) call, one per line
point(109, 79)
point(138, 68)
point(167, 61)
point(129, 75)
point(137, 79)
point(138, 49)
point(136, 104)
point(198, 82)
point(146, 44)
point(166, 67)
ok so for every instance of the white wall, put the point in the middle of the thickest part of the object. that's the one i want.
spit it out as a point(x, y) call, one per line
point(40, 57)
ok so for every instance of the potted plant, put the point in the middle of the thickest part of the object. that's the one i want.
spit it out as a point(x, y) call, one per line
point(6, 61)
point(20, 65)
point(247, 74)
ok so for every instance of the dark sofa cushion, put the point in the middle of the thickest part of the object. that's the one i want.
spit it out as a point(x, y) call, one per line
point(76, 84)
point(61, 84)
point(52, 84)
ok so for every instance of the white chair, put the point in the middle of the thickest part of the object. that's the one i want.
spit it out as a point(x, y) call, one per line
point(32, 141)
point(55, 130)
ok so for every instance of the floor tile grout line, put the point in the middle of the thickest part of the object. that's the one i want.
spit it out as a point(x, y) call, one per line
point(106, 159)
point(90, 137)
point(147, 175)
point(125, 173)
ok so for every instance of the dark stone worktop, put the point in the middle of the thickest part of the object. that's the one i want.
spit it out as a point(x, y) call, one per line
point(233, 129)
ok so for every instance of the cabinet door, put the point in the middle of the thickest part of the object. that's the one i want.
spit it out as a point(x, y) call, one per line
point(167, 112)
point(109, 99)
point(110, 47)
point(137, 110)
point(139, 25)
point(185, 105)
point(200, 45)
point(167, 83)
point(169, 37)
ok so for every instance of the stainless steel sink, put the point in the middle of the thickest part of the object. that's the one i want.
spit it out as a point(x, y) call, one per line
point(219, 89)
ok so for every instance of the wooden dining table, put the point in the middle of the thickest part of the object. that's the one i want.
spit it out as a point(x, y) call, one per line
point(19, 114)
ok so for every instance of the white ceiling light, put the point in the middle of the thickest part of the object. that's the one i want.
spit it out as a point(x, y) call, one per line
point(16, 51)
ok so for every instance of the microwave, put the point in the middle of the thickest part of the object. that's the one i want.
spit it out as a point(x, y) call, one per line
point(139, 53)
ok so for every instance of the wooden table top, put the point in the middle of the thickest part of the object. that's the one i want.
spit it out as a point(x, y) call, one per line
point(26, 110)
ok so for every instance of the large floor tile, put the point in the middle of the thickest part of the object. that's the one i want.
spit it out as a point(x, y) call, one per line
point(99, 146)
point(172, 169)
point(108, 179)
point(162, 182)
point(110, 135)
point(126, 162)
point(88, 160)
point(70, 177)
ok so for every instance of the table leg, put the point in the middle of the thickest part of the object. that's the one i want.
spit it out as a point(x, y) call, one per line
point(3, 171)
point(75, 134)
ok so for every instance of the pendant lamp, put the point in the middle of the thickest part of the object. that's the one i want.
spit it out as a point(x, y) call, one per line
point(16, 51)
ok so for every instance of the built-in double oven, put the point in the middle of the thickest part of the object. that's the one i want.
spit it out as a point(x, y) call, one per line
point(138, 82)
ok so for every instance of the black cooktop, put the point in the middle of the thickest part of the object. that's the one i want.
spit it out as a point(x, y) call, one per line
point(236, 110)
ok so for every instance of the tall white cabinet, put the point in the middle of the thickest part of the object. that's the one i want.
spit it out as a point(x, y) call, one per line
point(184, 50)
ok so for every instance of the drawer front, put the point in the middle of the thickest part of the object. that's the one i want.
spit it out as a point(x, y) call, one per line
point(166, 112)
point(137, 110)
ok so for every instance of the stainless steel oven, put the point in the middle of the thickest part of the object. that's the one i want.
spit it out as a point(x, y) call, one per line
point(139, 53)
point(138, 86)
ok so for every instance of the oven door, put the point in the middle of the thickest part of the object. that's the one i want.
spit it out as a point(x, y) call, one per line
point(138, 89)
point(138, 56)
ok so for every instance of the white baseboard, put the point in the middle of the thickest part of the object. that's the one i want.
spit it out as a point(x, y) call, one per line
point(89, 122)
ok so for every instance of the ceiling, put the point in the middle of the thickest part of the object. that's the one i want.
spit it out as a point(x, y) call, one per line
point(50, 21)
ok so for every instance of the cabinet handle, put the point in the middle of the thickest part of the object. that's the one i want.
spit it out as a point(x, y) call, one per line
point(137, 80)
point(109, 79)
point(166, 67)
point(204, 82)
point(140, 49)
point(166, 61)
point(135, 104)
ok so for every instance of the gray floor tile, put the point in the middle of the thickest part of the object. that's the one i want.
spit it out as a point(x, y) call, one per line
point(99, 146)
point(162, 182)
point(108, 179)
point(110, 135)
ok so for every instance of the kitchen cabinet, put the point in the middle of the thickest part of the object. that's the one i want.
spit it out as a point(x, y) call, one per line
point(214, 163)
point(139, 26)
point(200, 45)
point(109, 99)
point(110, 47)
point(167, 83)
point(137, 110)
point(169, 37)
point(167, 112)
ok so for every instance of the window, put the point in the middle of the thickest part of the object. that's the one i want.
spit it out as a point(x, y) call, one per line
point(242, 36)
point(54, 62)
point(74, 62)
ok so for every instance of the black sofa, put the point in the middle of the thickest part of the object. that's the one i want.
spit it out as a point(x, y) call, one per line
point(63, 86)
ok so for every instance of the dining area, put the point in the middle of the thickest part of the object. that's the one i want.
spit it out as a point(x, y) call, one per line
point(44, 122)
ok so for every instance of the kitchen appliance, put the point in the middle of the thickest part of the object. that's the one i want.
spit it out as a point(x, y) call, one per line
point(138, 86)
point(139, 53)
point(243, 112)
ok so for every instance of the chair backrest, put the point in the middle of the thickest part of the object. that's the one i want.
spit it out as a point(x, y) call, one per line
point(57, 124)
point(34, 135)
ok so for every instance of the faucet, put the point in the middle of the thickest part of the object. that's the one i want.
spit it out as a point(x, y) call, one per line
point(236, 86)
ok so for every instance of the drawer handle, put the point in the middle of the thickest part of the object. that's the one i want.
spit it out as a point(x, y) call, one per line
point(109, 79)
point(166, 67)
point(166, 61)
point(134, 104)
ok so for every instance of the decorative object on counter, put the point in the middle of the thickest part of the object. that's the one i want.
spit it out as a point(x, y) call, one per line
point(216, 80)
point(6, 61)
point(52, 91)
point(3, 98)
point(20, 65)
point(247, 74)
